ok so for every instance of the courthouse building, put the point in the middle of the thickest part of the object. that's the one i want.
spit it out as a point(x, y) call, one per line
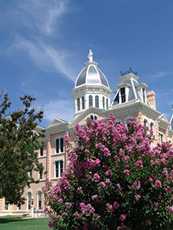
point(92, 99)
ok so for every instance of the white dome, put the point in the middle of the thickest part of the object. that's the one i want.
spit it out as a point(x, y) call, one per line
point(91, 74)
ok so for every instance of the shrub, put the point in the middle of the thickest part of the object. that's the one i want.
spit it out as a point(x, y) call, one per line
point(115, 179)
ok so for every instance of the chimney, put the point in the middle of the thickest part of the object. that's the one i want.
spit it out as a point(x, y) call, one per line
point(151, 99)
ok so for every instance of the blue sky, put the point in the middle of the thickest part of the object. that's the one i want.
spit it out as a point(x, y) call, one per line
point(44, 44)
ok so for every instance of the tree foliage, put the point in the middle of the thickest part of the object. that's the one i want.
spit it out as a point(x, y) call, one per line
point(115, 180)
point(19, 140)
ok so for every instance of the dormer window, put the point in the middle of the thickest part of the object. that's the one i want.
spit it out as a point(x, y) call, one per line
point(123, 95)
point(117, 99)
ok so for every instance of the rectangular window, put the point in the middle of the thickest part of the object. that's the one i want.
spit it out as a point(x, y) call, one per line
point(97, 101)
point(78, 104)
point(160, 137)
point(117, 100)
point(83, 102)
point(123, 95)
point(62, 144)
point(58, 168)
point(6, 206)
point(143, 94)
point(107, 103)
point(41, 175)
point(41, 151)
point(57, 145)
point(103, 100)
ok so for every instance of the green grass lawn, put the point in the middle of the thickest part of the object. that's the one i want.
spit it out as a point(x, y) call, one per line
point(12, 223)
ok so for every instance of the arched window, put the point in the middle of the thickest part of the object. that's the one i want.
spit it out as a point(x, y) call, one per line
point(107, 103)
point(29, 200)
point(103, 101)
point(78, 104)
point(39, 200)
point(90, 101)
point(97, 101)
point(83, 102)
point(93, 117)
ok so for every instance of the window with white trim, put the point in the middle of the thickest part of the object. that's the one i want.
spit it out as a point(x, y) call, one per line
point(93, 117)
point(90, 101)
point(83, 102)
point(123, 94)
point(143, 95)
point(60, 145)
point(39, 200)
point(103, 101)
point(161, 137)
point(117, 99)
point(29, 200)
point(107, 103)
point(58, 168)
point(78, 104)
point(97, 101)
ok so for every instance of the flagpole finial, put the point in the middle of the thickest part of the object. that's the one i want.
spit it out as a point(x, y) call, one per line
point(90, 56)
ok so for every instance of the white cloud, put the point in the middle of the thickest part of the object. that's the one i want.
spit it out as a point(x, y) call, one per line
point(46, 57)
point(42, 15)
point(42, 20)
point(62, 108)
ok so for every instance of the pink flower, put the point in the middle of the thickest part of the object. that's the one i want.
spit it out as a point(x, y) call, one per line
point(116, 205)
point(106, 152)
point(86, 208)
point(158, 184)
point(77, 215)
point(165, 172)
point(96, 177)
point(102, 184)
point(170, 209)
point(150, 179)
point(109, 207)
point(127, 172)
point(139, 164)
point(136, 185)
point(137, 197)
point(97, 161)
point(108, 173)
point(123, 217)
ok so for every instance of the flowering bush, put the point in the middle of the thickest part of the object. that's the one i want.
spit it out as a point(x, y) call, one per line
point(115, 180)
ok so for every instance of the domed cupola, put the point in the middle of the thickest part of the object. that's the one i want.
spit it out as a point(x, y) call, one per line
point(91, 87)
point(91, 74)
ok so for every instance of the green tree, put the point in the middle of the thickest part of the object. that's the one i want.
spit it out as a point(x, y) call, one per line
point(20, 137)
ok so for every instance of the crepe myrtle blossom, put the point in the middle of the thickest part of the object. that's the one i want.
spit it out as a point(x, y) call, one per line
point(86, 208)
point(115, 179)
point(158, 184)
